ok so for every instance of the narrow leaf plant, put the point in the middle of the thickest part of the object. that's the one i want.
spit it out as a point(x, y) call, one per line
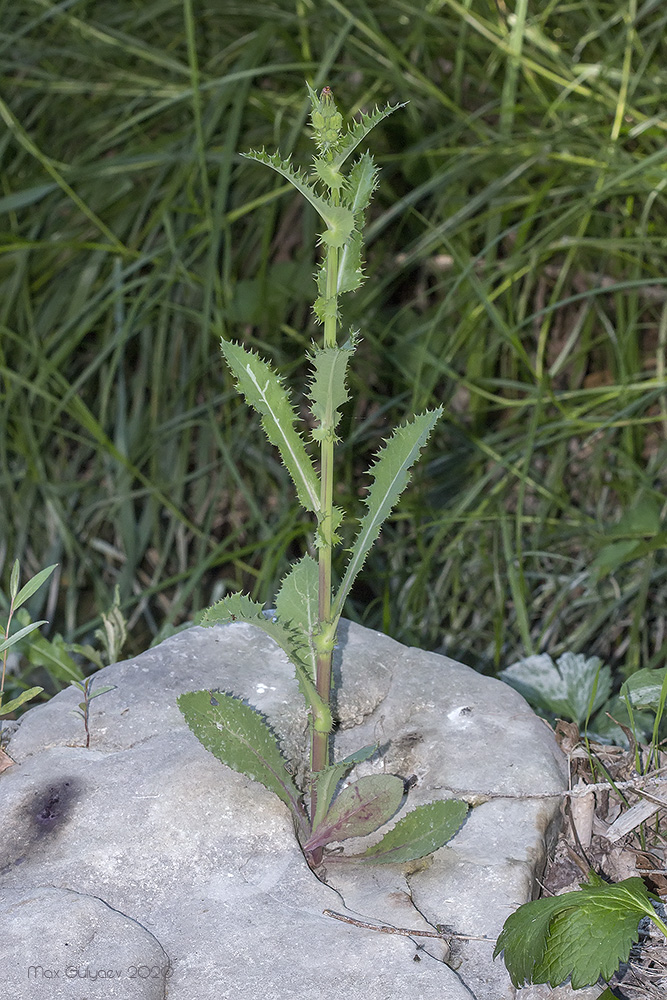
point(308, 607)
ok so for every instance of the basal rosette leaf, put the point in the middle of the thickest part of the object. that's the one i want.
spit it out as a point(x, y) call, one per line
point(240, 737)
point(424, 830)
point(359, 809)
point(391, 474)
point(327, 780)
point(264, 391)
point(584, 934)
point(240, 608)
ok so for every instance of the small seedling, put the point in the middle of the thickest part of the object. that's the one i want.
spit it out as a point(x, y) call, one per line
point(83, 710)
point(16, 599)
point(307, 607)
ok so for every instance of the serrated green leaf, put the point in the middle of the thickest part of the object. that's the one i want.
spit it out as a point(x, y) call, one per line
point(350, 273)
point(240, 608)
point(33, 585)
point(21, 699)
point(358, 132)
point(297, 606)
point(361, 182)
point(241, 738)
point(328, 389)
point(338, 219)
point(21, 634)
point(585, 934)
point(421, 832)
point(264, 391)
point(327, 781)
point(391, 474)
point(359, 809)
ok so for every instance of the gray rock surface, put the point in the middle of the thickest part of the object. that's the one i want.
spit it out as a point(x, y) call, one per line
point(144, 851)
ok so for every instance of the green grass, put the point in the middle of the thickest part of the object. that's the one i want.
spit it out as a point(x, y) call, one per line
point(516, 272)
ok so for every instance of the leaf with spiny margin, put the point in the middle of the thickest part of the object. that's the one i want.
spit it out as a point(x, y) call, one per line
point(297, 607)
point(241, 738)
point(358, 132)
point(326, 781)
point(391, 474)
point(350, 273)
point(585, 934)
point(264, 391)
point(359, 809)
point(241, 608)
point(338, 219)
point(328, 391)
point(361, 182)
point(421, 832)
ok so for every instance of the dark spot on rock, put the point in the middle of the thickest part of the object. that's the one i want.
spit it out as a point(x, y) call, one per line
point(51, 807)
point(409, 740)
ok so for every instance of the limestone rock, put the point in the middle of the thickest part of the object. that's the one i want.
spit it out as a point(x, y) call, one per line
point(199, 867)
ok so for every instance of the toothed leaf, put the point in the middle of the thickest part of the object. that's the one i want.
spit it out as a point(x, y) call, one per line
point(585, 934)
point(240, 608)
point(338, 219)
point(391, 474)
point(421, 832)
point(359, 131)
point(328, 391)
point(359, 809)
point(297, 606)
point(264, 391)
point(241, 738)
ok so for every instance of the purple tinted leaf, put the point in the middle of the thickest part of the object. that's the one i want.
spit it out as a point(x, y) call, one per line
point(359, 809)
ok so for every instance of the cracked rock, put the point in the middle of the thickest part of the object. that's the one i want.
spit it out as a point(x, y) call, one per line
point(197, 867)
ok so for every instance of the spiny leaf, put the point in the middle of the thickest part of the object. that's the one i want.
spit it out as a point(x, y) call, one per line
point(327, 781)
point(421, 832)
point(390, 477)
point(240, 737)
point(297, 607)
point(327, 120)
point(265, 392)
point(361, 183)
point(360, 130)
point(338, 219)
point(350, 273)
point(359, 809)
point(585, 934)
point(328, 389)
point(240, 608)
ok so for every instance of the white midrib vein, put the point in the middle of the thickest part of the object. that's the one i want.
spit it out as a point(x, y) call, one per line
point(314, 499)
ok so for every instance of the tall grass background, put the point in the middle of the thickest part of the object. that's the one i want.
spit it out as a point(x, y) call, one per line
point(516, 273)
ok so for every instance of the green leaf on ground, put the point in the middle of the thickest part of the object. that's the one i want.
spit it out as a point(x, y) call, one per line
point(359, 809)
point(327, 780)
point(241, 738)
point(583, 934)
point(421, 832)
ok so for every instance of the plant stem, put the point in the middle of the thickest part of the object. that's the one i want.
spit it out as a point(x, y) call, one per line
point(319, 758)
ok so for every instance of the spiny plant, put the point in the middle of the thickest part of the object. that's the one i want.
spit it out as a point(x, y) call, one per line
point(308, 607)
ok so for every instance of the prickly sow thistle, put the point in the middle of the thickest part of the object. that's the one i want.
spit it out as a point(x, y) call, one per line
point(307, 607)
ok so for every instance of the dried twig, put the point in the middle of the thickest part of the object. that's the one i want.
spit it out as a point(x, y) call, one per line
point(388, 929)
